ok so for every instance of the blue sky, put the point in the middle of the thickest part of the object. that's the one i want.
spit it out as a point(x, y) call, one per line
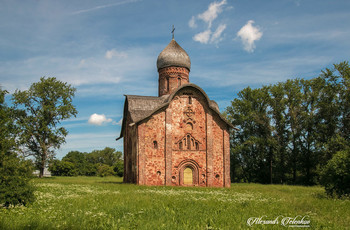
point(109, 48)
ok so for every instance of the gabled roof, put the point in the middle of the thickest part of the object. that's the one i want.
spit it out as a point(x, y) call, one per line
point(143, 107)
point(140, 106)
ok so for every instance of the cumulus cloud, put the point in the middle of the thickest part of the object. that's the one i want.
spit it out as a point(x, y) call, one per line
point(114, 53)
point(208, 16)
point(203, 37)
point(217, 34)
point(214, 9)
point(99, 119)
point(248, 35)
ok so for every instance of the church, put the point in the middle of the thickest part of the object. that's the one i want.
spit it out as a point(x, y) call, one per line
point(180, 137)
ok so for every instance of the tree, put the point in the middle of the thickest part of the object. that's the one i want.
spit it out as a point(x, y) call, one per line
point(119, 168)
point(62, 168)
point(105, 170)
point(43, 106)
point(82, 166)
point(289, 130)
point(15, 173)
point(252, 144)
point(108, 156)
point(335, 176)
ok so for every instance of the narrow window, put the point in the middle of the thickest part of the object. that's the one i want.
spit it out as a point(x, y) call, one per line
point(192, 142)
point(167, 83)
point(155, 144)
point(178, 81)
point(180, 145)
point(189, 100)
point(197, 146)
point(188, 142)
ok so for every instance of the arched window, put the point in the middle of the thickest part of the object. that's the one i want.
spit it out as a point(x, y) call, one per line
point(178, 81)
point(167, 83)
point(197, 146)
point(188, 142)
point(180, 145)
point(155, 144)
point(189, 100)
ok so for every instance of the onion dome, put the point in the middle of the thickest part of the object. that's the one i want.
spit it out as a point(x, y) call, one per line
point(173, 55)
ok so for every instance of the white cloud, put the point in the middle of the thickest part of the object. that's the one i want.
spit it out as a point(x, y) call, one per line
point(120, 122)
point(97, 119)
point(114, 53)
point(248, 35)
point(203, 37)
point(208, 16)
point(217, 34)
point(192, 22)
point(212, 12)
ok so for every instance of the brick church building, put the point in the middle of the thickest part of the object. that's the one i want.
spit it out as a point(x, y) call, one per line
point(179, 137)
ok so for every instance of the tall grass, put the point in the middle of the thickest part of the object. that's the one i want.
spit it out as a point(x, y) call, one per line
point(106, 203)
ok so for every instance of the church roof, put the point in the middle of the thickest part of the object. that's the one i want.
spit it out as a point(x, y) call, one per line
point(143, 107)
point(173, 55)
point(140, 106)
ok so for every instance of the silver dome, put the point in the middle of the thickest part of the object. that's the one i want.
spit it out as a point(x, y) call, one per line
point(173, 55)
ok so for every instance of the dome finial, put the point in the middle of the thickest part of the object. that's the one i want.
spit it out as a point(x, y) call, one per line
point(173, 32)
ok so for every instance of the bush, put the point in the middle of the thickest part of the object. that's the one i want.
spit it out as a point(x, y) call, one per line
point(119, 168)
point(62, 168)
point(336, 175)
point(105, 170)
point(15, 175)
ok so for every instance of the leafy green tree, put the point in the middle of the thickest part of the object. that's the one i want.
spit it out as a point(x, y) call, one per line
point(43, 106)
point(335, 176)
point(252, 142)
point(280, 132)
point(105, 170)
point(288, 130)
point(82, 166)
point(119, 168)
point(15, 173)
point(108, 156)
point(62, 168)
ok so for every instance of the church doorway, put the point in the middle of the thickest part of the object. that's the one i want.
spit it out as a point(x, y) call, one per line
point(188, 173)
point(188, 176)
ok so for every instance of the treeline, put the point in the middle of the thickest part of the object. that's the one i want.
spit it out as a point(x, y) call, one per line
point(106, 162)
point(289, 132)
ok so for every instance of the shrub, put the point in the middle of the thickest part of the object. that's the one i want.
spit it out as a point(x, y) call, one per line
point(336, 175)
point(119, 168)
point(105, 170)
point(15, 174)
point(62, 168)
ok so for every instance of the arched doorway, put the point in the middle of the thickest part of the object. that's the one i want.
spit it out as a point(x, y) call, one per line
point(188, 173)
point(188, 176)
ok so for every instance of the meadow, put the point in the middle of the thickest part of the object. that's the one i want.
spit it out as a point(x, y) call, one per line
point(107, 203)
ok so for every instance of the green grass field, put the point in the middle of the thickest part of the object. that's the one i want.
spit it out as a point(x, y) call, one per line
point(106, 203)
